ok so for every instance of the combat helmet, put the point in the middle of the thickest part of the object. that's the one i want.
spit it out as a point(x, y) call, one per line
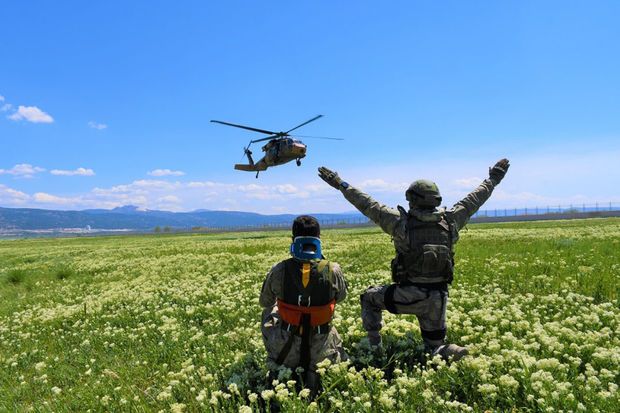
point(423, 193)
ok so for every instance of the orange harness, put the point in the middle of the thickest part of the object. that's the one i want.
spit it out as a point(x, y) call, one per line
point(319, 315)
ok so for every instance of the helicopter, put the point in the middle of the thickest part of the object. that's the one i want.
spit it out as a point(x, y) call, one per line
point(280, 149)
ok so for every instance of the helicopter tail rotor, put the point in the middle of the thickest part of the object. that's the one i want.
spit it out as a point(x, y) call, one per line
point(247, 152)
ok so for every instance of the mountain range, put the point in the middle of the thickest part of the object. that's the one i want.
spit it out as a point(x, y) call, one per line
point(132, 218)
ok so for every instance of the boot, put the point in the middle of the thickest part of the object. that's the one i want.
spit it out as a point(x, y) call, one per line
point(374, 338)
point(450, 352)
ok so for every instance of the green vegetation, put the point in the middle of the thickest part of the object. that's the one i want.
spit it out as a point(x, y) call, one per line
point(171, 322)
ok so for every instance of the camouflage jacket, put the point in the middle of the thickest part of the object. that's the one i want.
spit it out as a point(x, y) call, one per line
point(272, 286)
point(393, 222)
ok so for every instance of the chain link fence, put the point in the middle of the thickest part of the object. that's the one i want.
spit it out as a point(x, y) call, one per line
point(548, 212)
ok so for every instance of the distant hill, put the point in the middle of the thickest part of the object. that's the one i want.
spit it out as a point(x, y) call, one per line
point(133, 218)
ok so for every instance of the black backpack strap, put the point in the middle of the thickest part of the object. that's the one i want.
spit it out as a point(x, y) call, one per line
point(306, 334)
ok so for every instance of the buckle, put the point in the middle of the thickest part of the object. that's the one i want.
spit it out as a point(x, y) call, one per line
point(299, 297)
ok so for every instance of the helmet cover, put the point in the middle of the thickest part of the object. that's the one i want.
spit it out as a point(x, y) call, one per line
point(423, 193)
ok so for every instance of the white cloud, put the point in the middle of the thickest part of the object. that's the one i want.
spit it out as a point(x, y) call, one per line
point(206, 184)
point(382, 185)
point(169, 199)
point(286, 189)
point(22, 170)
point(96, 125)
point(531, 181)
point(31, 114)
point(78, 171)
point(44, 198)
point(165, 172)
point(6, 106)
point(12, 196)
point(468, 183)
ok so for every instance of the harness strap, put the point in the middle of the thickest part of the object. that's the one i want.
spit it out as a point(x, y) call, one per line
point(322, 329)
point(287, 347)
point(304, 350)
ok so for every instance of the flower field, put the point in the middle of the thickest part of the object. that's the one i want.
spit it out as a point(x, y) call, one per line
point(171, 323)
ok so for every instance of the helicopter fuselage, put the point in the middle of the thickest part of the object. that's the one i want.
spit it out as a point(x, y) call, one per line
point(281, 151)
point(277, 152)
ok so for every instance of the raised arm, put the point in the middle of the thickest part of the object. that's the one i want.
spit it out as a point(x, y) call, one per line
point(387, 218)
point(468, 206)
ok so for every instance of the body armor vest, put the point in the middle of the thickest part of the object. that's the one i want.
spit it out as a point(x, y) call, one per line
point(429, 257)
point(307, 289)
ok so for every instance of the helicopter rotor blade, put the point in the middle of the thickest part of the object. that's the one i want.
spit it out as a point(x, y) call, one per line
point(268, 138)
point(245, 127)
point(305, 123)
point(318, 137)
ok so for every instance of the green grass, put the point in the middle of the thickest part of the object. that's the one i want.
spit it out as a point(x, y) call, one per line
point(139, 323)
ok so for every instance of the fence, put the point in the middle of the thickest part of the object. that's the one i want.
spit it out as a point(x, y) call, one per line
point(345, 222)
point(549, 212)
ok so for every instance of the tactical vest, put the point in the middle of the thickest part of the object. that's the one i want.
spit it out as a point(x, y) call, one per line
point(314, 299)
point(429, 257)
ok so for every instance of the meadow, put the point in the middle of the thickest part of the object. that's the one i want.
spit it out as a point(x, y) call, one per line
point(171, 323)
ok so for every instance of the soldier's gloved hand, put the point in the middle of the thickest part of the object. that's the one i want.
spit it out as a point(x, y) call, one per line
point(330, 177)
point(497, 172)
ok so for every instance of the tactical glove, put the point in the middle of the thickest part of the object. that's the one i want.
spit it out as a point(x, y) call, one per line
point(497, 172)
point(330, 177)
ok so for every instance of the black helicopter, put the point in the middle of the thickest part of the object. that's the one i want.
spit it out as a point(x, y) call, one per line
point(280, 149)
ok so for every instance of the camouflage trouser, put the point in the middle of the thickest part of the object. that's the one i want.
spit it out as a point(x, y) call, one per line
point(428, 305)
point(322, 346)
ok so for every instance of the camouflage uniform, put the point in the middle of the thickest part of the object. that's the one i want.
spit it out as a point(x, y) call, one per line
point(327, 345)
point(427, 302)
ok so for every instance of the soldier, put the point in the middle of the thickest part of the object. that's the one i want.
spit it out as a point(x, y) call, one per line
point(298, 298)
point(424, 239)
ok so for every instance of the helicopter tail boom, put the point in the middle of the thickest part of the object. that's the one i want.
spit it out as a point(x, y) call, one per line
point(251, 168)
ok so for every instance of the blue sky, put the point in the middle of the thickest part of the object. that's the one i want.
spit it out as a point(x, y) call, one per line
point(96, 97)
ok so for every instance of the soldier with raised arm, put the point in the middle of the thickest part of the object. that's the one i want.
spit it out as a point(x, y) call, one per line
point(424, 238)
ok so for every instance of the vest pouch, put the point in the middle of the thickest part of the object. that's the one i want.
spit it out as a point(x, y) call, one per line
point(398, 272)
point(435, 258)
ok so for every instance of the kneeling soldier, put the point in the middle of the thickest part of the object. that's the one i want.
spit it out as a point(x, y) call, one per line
point(299, 297)
point(424, 237)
